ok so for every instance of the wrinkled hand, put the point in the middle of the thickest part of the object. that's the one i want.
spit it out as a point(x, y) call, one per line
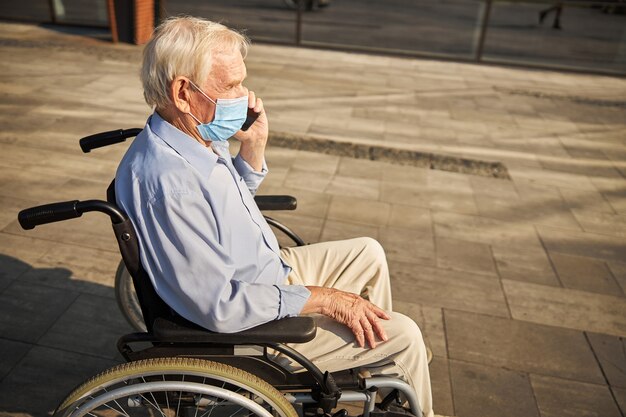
point(254, 139)
point(257, 133)
point(361, 316)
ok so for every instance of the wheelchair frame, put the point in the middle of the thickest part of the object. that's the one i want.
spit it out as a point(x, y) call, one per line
point(171, 336)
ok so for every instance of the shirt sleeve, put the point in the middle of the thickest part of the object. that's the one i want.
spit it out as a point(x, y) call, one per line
point(292, 299)
point(252, 178)
point(195, 276)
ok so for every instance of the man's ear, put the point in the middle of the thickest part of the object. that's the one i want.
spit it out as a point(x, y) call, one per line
point(180, 94)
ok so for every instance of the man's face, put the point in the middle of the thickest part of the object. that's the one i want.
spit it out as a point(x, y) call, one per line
point(224, 81)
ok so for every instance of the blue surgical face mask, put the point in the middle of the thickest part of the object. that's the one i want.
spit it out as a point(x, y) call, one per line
point(230, 115)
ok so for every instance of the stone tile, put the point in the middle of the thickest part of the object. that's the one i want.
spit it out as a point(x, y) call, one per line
point(449, 181)
point(23, 248)
point(443, 403)
point(316, 162)
point(408, 245)
point(509, 392)
point(430, 321)
point(27, 311)
point(11, 352)
point(360, 168)
point(617, 200)
point(582, 243)
point(25, 185)
point(528, 263)
point(566, 308)
point(447, 289)
point(585, 274)
point(10, 207)
point(407, 195)
point(620, 398)
point(611, 354)
point(279, 157)
point(91, 230)
point(585, 200)
point(560, 397)
point(465, 256)
point(411, 217)
point(10, 269)
point(353, 186)
point(276, 177)
point(619, 273)
point(484, 230)
point(552, 178)
point(91, 325)
point(47, 375)
point(404, 176)
point(337, 230)
point(310, 203)
point(456, 202)
point(307, 179)
point(352, 209)
point(546, 211)
point(76, 279)
point(604, 223)
point(520, 346)
point(493, 188)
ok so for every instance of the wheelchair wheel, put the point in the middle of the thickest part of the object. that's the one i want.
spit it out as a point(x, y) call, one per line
point(127, 298)
point(175, 387)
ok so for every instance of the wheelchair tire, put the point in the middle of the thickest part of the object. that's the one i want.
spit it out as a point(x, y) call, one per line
point(157, 384)
point(127, 298)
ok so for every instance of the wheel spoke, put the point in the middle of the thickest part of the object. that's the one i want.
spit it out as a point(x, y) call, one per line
point(202, 386)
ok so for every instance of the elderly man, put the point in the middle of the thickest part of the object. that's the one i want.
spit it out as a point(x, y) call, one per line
point(206, 247)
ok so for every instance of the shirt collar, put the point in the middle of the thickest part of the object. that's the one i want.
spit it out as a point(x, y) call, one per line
point(199, 157)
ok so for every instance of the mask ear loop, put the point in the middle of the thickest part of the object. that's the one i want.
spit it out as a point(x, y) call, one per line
point(204, 94)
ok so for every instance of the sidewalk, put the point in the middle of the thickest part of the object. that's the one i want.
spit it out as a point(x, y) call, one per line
point(518, 284)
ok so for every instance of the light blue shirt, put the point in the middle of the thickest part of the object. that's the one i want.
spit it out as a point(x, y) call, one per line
point(204, 243)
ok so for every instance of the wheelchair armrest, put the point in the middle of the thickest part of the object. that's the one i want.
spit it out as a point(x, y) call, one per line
point(276, 202)
point(287, 330)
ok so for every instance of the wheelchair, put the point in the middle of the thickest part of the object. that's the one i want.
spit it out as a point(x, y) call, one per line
point(176, 368)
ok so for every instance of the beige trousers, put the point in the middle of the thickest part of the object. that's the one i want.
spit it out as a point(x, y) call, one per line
point(359, 266)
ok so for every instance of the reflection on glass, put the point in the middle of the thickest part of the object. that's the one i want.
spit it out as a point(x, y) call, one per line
point(260, 19)
point(80, 12)
point(591, 36)
point(446, 27)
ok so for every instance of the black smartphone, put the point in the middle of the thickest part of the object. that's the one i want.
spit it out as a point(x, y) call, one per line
point(252, 116)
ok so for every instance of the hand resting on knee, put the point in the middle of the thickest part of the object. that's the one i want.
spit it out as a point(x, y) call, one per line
point(361, 316)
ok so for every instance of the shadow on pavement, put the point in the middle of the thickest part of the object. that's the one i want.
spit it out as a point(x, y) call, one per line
point(56, 330)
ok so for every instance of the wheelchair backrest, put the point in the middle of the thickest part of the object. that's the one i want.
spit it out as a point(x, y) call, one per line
point(152, 306)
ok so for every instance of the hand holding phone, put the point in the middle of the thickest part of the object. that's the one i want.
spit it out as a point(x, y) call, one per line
point(251, 118)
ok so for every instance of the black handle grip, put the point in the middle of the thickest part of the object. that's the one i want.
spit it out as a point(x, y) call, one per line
point(48, 213)
point(276, 202)
point(100, 140)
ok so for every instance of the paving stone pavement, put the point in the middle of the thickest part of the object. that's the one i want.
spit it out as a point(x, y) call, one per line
point(519, 285)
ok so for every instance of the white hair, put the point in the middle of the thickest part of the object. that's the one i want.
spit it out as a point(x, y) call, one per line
point(184, 46)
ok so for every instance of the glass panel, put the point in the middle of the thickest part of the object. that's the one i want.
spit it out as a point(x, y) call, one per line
point(271, 20)
point(571, 35)
point(81, 12)
point(31, 10)
point(446, 27)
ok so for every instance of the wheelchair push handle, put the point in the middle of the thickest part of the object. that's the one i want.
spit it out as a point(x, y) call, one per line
point(111, 137)
point(65, 210)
